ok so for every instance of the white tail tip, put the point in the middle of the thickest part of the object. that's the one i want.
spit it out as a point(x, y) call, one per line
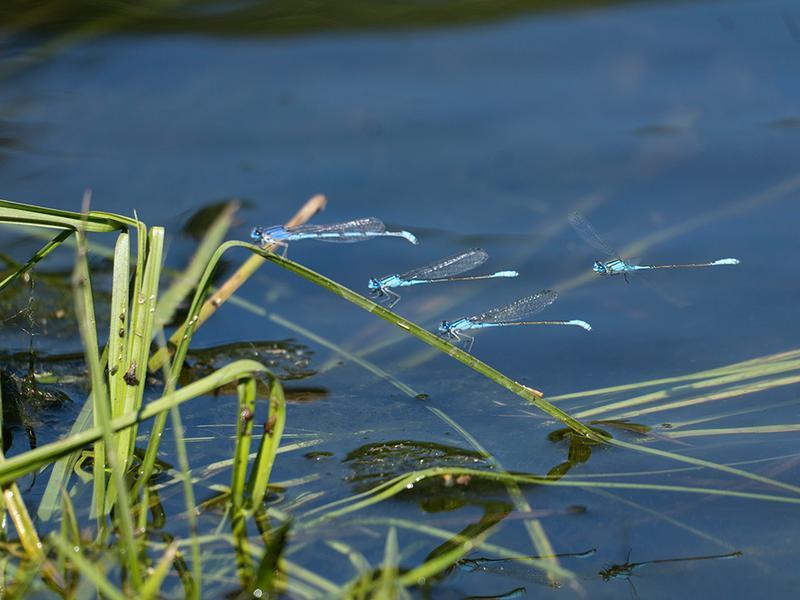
point(506, 274)
point(580, 323)
point(409, 236)
point(726, 261)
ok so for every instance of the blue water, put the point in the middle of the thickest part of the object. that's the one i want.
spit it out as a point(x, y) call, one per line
point(645, 117)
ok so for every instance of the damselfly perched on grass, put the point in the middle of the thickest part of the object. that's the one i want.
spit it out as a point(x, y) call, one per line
point(445, 269)
point(504, 316)
point(358, 230)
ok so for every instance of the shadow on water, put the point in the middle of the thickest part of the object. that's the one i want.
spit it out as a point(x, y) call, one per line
point(515, 568)
point(580, 448)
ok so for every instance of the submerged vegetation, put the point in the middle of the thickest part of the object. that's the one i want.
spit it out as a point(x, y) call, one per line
point(99, 524)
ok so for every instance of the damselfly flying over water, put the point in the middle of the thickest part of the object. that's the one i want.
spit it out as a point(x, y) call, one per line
point(504, 316)
point(358, 230)
point(445, 269)
point(618, 266)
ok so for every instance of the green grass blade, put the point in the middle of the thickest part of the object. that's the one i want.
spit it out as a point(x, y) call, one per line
point(186, 281)
point(244, 433)
point(737, 431)
point(48, 505)
point(372, 368)
point(28, 214)
point(88, 569)
point(140, 335)
point(39, 255)
point(268, 449)
point(389, 586)
point(117, 346)
point(84, 309)
point(22, 464)
point(188, 494)
point(152, 587)
point(264, 583)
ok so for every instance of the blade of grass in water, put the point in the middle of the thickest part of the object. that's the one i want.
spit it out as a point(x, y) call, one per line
point(84, 310)
point(374, 369)
point(152, 587)
point(391, 488)
point(270, 442)
point(22, 464)
point(188, 494)
point(388, 584)
point(39, 255)
point(748, 368)
point(539, 538)
point(89, 570)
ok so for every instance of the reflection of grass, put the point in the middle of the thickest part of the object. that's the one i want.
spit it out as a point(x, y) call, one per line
point(66, 23)
point(267, 16)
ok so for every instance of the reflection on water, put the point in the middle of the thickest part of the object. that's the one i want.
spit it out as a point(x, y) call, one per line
point(377, 463)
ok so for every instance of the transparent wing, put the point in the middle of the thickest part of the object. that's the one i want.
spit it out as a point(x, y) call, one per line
point(366, 225)
point(521, 309)
point(450, 266)
point(589, 235)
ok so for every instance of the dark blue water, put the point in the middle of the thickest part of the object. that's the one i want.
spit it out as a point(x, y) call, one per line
point(672, 126)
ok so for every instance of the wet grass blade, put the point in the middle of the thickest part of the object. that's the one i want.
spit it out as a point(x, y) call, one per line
point(70, 531)
point(391, 488)
point(244, 429)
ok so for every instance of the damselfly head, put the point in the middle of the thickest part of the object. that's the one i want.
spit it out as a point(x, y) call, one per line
point(600, 268)
point(266, 236)
point(444, 327)
point(257, 234)
point(374, 285)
